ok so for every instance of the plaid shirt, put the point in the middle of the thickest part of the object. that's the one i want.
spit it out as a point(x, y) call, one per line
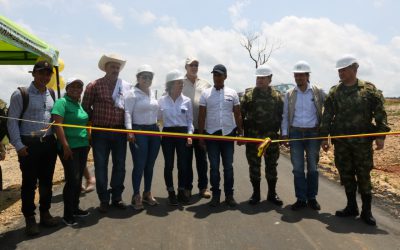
point(98, 103)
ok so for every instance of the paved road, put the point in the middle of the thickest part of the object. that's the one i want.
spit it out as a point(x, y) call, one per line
point(198, 226)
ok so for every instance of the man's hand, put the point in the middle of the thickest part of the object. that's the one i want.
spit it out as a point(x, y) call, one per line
point(67, 152)
point(23, 152)
point(380, 143)
point(325, 145)
point(189, 142)
point(131, 137)
point(285, 143)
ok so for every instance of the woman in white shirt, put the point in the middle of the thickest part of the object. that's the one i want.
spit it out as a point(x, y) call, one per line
point(141, 111)
point(176, 112)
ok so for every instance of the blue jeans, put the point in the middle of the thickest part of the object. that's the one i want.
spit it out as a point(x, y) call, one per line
point(225, 149)
point(201, 165)
point(103, 143)
point(306, 186)
point(169, 146)
point(144, 154)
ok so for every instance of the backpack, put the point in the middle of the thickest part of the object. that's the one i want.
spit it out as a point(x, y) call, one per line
point(25, 102)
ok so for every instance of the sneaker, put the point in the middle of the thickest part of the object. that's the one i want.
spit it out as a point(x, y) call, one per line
point(298, 205)
point(149, 199)
point(119, 204)
point(137, 202)
point(183, 196)
point(313, 204)
point(103, 208)
point(70, 221)
point(230, 201)
point(47, 220)
point(81, 213)
point(204, 193)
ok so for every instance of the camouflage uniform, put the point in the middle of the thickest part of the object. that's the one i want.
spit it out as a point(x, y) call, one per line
point(262, 114)
point(351, 110)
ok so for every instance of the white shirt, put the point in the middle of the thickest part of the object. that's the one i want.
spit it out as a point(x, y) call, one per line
point(140, 108)
point(178, 113)
point(193, 91)
point(219, 109)
point(305, 112)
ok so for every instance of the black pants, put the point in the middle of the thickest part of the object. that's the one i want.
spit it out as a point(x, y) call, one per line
point(201, 165)
point(169, 146)
point(73, 171)
point(37, 166)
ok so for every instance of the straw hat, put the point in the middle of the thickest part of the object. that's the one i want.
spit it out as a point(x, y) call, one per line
point(111, 58)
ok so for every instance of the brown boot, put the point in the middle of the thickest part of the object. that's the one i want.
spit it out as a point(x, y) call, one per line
point(32, 227)
point(47, 220)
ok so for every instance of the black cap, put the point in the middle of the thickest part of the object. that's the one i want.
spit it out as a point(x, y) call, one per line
point(219, 68)
point(42, 65)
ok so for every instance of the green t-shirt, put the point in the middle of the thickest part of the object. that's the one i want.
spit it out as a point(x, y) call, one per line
point(73, 113)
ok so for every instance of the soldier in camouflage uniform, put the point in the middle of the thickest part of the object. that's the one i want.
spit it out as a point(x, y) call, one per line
point(350, 108)
point(261, 109)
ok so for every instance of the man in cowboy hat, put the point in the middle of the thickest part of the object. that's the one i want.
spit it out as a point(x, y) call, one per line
point(102, 101)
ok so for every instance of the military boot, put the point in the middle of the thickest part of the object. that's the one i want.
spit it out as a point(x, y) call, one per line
point(255, 197)
point(47, 220)
point(351, 209)
point(32, 227)
point(366, 214)
point(272, 196)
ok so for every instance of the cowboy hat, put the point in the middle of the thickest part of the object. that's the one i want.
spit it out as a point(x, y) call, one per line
point(110, 58)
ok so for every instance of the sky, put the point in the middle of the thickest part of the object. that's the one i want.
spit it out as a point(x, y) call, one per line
point(163, 33)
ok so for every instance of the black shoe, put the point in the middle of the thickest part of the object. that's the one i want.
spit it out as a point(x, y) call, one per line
point(104, 207)
point(70, 221)
point(215, 201)
point(348, 212)
point(274, 198)
point(254, 199)
point(298, 205)
point(119, 205)
point(230, 201)
point(183, 196)
point(172, 200)
point(313, 204)
point(32, 227)
point(81, 213)
point(367, 217)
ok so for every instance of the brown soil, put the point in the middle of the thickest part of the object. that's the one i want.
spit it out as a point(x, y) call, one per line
point(385, 176)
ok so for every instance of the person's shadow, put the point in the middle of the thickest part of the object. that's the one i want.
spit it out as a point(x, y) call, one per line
point(333, 223)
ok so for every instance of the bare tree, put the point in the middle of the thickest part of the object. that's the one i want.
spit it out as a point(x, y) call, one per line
point(259, 51)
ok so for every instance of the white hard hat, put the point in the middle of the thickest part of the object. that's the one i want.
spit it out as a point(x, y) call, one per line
point(174, 75)
point(144, 68)
point(345, 61)
point(72, 80)
point(301, 67)
point(263, 70)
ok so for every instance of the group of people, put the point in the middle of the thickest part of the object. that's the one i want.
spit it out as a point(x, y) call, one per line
point(190, 106)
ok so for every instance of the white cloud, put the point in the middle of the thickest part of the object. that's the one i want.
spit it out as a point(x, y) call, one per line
point(143, 17)
point(239, 23)
point(108, 12)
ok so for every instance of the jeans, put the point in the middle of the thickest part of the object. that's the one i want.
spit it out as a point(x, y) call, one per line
point(201, 166)
point(169, 146)
point(306, 186)
point(144, 154)
point(225, 149)
point(37, 165)
point(103, 143)
point(73, 171)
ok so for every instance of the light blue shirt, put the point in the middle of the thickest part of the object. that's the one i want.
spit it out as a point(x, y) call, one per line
point(305, 112)
point(38, 109)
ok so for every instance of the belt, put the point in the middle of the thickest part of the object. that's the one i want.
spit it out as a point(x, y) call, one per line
point(178, 129)
point(144, 126)
point(27, 139)
point(304, 129)
point(111, 126)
